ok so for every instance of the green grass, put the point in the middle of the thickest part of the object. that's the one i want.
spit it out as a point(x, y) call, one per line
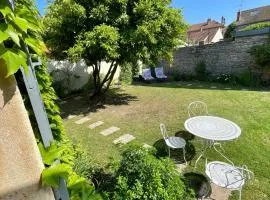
point(139, 109)
point(256, 26)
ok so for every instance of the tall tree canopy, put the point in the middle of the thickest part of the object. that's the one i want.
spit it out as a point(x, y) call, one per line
point(115, 31)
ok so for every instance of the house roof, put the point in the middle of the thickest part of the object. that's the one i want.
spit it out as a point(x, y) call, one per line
point(204, 31)
point(206, 25)
point(254, 15)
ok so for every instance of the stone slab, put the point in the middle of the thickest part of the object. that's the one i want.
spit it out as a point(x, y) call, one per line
point(78, 98)
point(109, 131)
point(96, 124)
point(227, 88)
point(180, 167)
point(63, 102)
point(82, 120)
point(213, 87)
point(124, 139)
point(146, 146)
point(71, 116)
point(189, 84)
point(219, 193)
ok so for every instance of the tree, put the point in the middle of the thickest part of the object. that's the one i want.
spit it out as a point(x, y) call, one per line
point(118, 32)
point(230, 30)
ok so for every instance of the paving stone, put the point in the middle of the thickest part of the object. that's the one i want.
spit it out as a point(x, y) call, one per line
point(180, 167)
point(63, 102)
point(219, 193)
point(243, 89)
point(124, 139)
point(227, 88)
point(78, 98)
point(109, 131)
point(189, 84)
point(200, 86)
point(71, 116)
point(146, 146)
point(213, 87)
point(96, 124)
point(82, 120)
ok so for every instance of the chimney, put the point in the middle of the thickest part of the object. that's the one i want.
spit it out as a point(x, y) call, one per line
point(223, 20)
point(238, 16)
point(208, 20)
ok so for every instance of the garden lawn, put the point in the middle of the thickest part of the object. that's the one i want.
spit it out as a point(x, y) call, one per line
point(139, 109)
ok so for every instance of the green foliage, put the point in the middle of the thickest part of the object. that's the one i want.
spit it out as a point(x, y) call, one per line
point(122, 31)
point(201, 73)
point(18, 28)
point(261, 54)
point(230, 30)
point(142, 176)
point(126, 73)
point(256, 26)
point(246, 79)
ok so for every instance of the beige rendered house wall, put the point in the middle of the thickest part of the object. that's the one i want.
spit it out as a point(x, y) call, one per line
point(20, 161)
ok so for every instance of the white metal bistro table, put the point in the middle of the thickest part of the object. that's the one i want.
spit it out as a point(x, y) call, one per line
point(212, 129)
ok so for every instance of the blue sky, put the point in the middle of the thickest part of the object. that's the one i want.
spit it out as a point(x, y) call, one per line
point(196, 11)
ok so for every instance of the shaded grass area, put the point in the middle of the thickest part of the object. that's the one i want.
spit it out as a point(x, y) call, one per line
point(139, 109)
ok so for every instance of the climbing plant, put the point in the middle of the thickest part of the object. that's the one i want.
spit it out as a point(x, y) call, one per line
point(19, 26)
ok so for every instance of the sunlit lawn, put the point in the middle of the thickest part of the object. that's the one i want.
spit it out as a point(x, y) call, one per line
point(140, 109)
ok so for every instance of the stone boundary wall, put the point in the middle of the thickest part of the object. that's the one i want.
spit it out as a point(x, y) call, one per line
point(225, 57)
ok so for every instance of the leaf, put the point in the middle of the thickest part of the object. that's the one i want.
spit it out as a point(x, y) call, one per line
point(3, 34)
point(51, 175)
point(50, 154)
point(36, 45)
point(21, 23)
point(13, 60)
point(13, 34)
point(5, 9)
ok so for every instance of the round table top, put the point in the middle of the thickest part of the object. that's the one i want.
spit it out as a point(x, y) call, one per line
point(213, 128)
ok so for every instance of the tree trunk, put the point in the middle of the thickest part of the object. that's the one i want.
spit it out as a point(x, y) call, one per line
point(98, 84)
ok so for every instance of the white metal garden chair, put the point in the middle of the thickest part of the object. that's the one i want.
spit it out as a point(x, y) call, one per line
point(173, 142)
point(160, 73)
point(227, 175)
point(147, 74)
point(197, 108)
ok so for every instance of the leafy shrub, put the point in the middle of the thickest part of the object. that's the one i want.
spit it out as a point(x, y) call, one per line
point(261, 54)
point(230, 30)
point(226, 78)
point(256, 26)
point(201, 73)
point(142, 176)
point(246, 78)
point(126, 73)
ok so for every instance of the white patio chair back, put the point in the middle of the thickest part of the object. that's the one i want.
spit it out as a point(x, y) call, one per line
point(197, 108)
point(163, 131)
point(159, 72)
point(228, 176)
point(147, 74)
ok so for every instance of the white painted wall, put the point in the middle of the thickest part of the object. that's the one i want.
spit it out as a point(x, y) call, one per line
point(218, 36)
point(78, 72)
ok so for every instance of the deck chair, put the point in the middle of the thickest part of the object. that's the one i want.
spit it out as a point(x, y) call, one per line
point(146, 75)
point(159, 73)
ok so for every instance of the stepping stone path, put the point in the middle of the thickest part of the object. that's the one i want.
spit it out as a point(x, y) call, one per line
point(109, 131)
point(82, 120)
point(244, 89)
point(189, 84)
point(124, 139)
point(78, 98)
point(219, 193)
point(227, 88)
point(63, 102)
point(146, 146)
point(71, 116)
point(213, 87)
point(96, 124)
point(180, 167)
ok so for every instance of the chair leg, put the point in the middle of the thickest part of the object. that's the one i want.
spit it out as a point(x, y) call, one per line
point(184, 154)
point(240, 194)
point(169, 152)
